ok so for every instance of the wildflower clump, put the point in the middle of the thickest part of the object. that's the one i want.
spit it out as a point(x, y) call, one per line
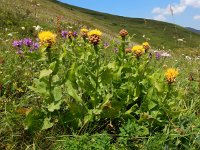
point(84, 33)
point(17, 43)
point(95, 36)
point(138, 50)
point(123, 33)
point(47, 38)
point(25, 44)
point(146, 46)
point(28, 42)
point(171, 75)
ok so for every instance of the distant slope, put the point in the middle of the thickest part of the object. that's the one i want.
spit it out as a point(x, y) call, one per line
point(193, 30)
point(16, 13)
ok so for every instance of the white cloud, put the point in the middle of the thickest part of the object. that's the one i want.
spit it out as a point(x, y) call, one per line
point(197, 17)
point(160, 17)
point(192, 3)
point(162, 13)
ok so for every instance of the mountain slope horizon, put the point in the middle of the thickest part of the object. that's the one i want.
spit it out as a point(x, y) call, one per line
point(161, 34)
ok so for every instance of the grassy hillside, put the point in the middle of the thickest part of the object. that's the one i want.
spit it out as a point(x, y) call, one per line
point(17, 13)
point(78, 93)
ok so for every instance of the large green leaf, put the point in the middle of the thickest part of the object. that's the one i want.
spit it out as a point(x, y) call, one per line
point(106, 76)
point(47, 124)
point(39, 87)
point(73, 92)
point(45, 73)
point(152, 104)
point(34, 120)
point(54, 106)
point(57, 93)
point(117, 75)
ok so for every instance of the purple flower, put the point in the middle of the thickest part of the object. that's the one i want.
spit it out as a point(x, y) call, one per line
point(20, 52)
point(116, 50)
point(106, 44)
point(31, 50)
point(17, 43)
point(64, 34)
point(158, 55)
point(35, 46)
point(28, 42)
point(75, 34)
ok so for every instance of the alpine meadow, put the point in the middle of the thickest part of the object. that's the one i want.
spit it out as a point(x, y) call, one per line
point(78, 79)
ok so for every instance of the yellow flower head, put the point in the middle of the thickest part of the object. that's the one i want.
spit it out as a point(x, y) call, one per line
point(94, 36)
point(47, 38)
point(138, 50)
point(95, 32)
point(84, 30)
point(146, 46)
point(171, 75)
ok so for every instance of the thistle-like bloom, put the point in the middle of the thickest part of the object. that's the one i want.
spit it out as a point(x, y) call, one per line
point(95, 36)
point(64, 34)
point(84, 33)
point(70, 34)
point(171, 75)
point(123, 33)
point(47, 38)
point(128, 50)
point(146, 46)
point(138, 50)
point(28, 42)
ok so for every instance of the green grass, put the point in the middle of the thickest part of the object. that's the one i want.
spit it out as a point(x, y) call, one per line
point(179, 129)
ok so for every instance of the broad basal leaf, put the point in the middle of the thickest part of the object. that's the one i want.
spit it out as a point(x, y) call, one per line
point(45, 73)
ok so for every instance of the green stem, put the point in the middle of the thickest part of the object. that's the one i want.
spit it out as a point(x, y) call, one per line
point(123, 47)
point(50, 76)
point(168, 92)
point(121, 52)
point(97, 71)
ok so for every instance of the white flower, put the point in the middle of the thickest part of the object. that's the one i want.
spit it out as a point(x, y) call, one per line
point(188, 58)
point(165, 54)
point(37, 28)
point(10, 34)
point(23, 28)
point(69, 27)
point(197, 58)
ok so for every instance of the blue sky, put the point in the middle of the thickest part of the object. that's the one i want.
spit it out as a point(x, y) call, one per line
point(185, 12)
